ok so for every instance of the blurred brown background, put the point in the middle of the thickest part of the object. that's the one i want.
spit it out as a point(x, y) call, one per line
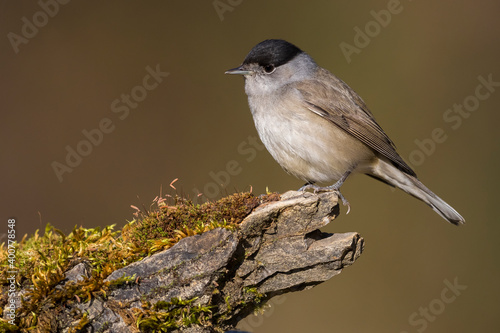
point(65, 77)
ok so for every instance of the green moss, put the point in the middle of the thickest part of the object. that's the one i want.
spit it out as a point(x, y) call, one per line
point(121, 281)
point(6, 327)
point(255, 297)
point(82, 323)
point(41, 261)
point(163, 226)
point(165, 316)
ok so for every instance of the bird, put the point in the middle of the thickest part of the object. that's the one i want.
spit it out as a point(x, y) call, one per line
point(319, 129)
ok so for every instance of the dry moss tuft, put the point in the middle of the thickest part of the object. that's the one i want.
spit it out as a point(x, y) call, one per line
point(184, 218)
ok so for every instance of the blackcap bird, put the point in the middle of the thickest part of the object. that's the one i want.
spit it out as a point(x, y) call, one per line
point(318, 129)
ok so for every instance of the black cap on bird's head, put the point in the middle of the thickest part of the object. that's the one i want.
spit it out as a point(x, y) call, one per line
point(274, 52)
point(271, 52)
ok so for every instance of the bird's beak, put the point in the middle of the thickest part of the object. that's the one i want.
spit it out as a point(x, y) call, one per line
point(238, 70)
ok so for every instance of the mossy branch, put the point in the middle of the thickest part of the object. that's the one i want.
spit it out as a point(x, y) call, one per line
point(177, 265)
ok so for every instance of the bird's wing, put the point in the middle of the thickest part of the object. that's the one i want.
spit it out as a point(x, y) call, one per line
point(338, 103)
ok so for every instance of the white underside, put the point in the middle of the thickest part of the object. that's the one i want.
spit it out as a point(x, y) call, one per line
point(306, 145)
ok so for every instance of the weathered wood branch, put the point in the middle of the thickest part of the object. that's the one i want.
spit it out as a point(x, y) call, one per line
point(209, 282)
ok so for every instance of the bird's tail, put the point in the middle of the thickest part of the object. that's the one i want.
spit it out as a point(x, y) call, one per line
point(388, 173)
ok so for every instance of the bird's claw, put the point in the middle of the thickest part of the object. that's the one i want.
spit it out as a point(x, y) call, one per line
point(344, 201)
point(317, 189)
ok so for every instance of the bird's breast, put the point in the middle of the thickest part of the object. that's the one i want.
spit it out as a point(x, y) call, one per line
point(305, 144)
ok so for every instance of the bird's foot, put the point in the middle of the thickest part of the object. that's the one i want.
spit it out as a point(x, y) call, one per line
point(330, 188)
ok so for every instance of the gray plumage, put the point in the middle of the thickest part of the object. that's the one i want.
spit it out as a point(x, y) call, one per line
point(318, 129)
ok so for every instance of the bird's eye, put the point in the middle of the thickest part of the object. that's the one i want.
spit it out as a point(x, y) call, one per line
point(269, 69)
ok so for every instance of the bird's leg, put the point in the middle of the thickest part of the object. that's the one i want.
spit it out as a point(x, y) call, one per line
point(307, 186)
point(335, 187)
